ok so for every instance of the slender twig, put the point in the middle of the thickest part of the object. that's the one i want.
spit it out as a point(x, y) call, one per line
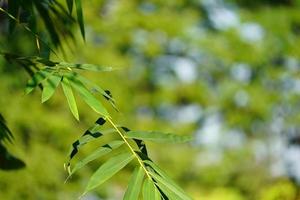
point(130, 147)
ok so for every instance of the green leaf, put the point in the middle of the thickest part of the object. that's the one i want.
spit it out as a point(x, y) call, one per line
point(135, 184)
point(49, 86)
point(80, 17)
point(105, 149)
point(90, 67)
point(157, 136)
point(89, 136)
point(5, 133)
point(108, 169)
point(166, 183)
point(150, 191)
point(36, 79)
point(94, 103)
point(70, 5)
point(70, 97)
point(13, 9)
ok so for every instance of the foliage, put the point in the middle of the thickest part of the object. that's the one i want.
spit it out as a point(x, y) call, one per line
point(50, 74)
point(238, 95)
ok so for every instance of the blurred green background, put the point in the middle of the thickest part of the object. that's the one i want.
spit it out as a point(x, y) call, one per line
point(226, 72)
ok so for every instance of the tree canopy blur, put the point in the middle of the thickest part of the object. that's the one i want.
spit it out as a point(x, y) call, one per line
point(226, 72)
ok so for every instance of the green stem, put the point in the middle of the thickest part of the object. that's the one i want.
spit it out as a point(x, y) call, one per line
point(130, 148)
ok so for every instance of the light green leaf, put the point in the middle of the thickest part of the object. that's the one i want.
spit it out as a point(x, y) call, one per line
point(135, 184)
point(70, 97)
point(105, 149)
point(92, 101)
point(157, 136)
point(166, 183)
point(150, 191)
point(80, 17)
point(36, 79)
point(49, 86)
point(90, 67)
point(108, 169)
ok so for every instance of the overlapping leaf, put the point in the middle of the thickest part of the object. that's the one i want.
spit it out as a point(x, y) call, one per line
point(156, 136)
point(108, 169)
point(165, 183)
point(135, 184)
point(49, 86)
point(101, 151)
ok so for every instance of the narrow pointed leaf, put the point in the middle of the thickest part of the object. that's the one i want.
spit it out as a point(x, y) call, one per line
point(150, 191)
point(89, 67)
point(70, 5)
point(92, 101)
point(135, 184)
point(49, 86)
point(157, 136)
point(89, 136)
point(108, 169)
point(5, 133)
point(105, 149)
point(70, 97)
point(36, 79)
point(166, 183)
point(88, 83)
point(80, 17)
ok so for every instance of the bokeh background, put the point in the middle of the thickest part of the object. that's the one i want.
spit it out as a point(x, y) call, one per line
point(225, 72)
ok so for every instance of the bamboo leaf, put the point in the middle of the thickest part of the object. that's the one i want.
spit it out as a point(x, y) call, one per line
point(70, 5)
point(5, 133)
point(88, 136)
point(156, 136)
point(13, 9)
point(49, 86)
point(36, 79)
point(150, 191)
point(94, 103)
point(70, 97)
point(90, 67)
point(166, 183)
point(135, 184)
point(108, 169)
point(80, 17)
point(105, 149)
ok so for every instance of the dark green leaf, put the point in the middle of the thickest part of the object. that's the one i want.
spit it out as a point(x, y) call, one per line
point(157, 136)
point(49, 86)
point(70, 97)
point(8, 161)
point(97, 154)
point(108, 169)
point(80, 17)
point(13, 9)
point(5, 133)
point(70, 5)
point(135, 184)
